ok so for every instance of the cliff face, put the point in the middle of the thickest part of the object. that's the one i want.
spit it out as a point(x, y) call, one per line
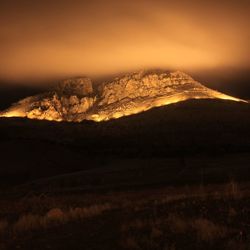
point(144, 85)
point(75, 87)
point(75, 99)
point(141, 91)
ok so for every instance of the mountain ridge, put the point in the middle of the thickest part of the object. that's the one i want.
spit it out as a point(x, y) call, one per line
point(76, 99)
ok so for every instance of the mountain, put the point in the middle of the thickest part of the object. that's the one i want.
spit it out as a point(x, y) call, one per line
point(76, 99)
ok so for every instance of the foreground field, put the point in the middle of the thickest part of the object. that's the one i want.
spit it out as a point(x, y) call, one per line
point(172, 178)
point(198, 217)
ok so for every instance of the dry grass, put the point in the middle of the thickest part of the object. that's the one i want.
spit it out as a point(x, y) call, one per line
point(216, 218)
point(155, 220)
point(177, 224)
point(207, 230)
point(54, 216)
point(130, 243)
point(233, 189)
point(28, 222)
point(157, 233)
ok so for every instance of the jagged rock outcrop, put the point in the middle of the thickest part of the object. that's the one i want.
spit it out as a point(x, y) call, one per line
point(75, 99)
point(81, 86)
point(143, 84)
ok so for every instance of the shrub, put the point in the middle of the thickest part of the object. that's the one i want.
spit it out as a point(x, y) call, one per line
point(55, 214)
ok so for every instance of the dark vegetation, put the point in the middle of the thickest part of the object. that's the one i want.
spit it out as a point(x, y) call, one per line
point(198, 217)
point(175, 177)
point(204, 130)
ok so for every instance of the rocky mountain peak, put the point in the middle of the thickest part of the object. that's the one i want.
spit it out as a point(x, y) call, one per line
point(75, 100)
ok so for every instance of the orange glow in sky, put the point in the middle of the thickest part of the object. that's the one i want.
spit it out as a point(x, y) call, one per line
point(69, 38)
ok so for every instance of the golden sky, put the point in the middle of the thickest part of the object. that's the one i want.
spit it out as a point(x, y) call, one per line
point(42, 39)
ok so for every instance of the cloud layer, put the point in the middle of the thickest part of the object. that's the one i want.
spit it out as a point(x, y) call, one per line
point(42, 39)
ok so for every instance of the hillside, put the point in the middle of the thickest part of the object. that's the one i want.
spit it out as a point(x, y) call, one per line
point(33, 149)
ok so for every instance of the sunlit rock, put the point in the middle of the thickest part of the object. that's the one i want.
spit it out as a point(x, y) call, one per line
point(75, 86)
point(75, 100)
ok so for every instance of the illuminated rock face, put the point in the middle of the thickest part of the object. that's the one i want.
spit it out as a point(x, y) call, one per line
point(75, 100)
point(75, 87)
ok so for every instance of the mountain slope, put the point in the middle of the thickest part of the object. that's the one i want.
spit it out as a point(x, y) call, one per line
point(204, 128)
point(76, 100)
